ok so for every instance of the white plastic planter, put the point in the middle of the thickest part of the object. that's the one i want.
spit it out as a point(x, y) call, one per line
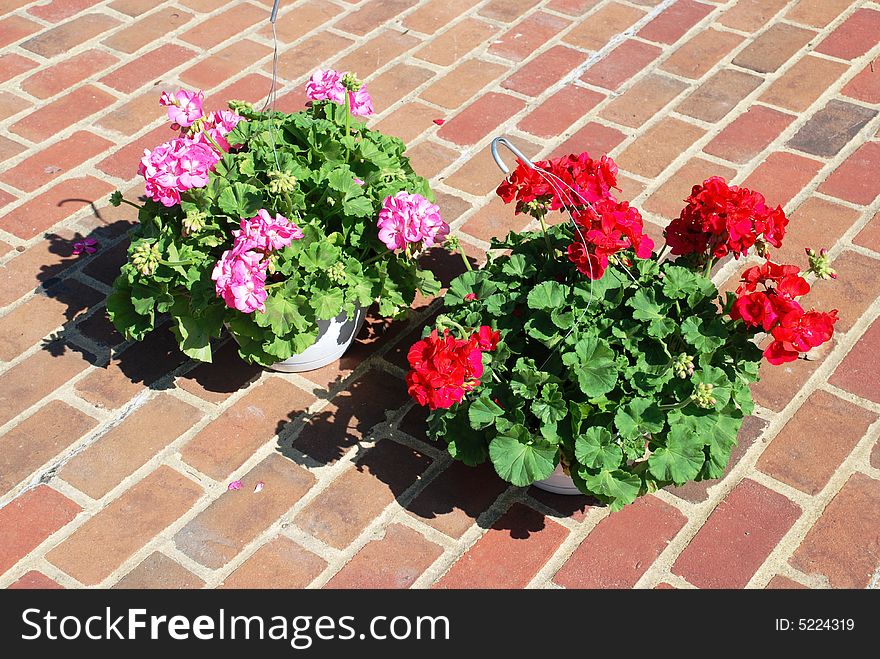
point(558, 483)
point(334, 338)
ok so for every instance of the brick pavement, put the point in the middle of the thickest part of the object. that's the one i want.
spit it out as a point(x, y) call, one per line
point(114, 458)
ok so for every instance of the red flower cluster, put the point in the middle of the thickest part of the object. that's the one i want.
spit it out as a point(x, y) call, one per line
point(444, 368)
point(572, 180)
point(722, 219)
point(776, 310)
point(607, 228)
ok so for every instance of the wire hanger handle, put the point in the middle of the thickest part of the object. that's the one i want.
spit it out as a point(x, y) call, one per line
point(274, 11)
point(503, 141)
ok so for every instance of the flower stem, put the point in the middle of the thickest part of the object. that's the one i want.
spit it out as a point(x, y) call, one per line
point(708, 269)
point(176, 263)
point(677, 406)
point(131, 203)
point(347, 121)
point(662, 252)
point(446, 320)
point(467, 263)
point(550, 251)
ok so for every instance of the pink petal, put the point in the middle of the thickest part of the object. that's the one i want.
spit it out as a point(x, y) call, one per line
point(439, 122)
point(259, 487)
point(234, 485)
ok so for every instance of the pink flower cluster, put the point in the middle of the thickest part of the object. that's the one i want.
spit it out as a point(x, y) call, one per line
point(329, 86)
point(184, 107)
point(217, 125)
point(407, 219)
point(175, 167)
point(240, 274)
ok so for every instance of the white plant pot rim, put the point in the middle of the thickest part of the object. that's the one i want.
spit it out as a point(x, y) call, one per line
point(335, 336)
point(558, 483)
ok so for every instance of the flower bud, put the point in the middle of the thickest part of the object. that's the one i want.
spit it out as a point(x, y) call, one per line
point(683, 366)
point(281, 182)
point(820, 264)
point(145, 258)
point(703, 397)
point(194, 221)
point(336, 272)
point(351, 82)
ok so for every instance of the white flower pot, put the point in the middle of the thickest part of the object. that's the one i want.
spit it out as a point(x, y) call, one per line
point(558, 483)
point(334, 338)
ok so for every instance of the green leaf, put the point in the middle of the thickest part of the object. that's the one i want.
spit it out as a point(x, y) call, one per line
point(551, 407)
point(638, 417)
point(358, 207)
point(546, 295)
point(595, 448)
point(125, 317)
point(679, 282)
point(482, 412)
point(320, 255)
point(593, 364)
point(619, 485)
point(194, 339)
point(240, 200)
point(680, 459)
point(521, 459)
point(645, 306)
point(143, 298)
point(327, 304)
point(282, 314)
point(526, 378)
point(517, 266)
point(704, 338)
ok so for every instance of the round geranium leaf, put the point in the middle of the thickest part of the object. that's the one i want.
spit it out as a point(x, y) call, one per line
point(522, 459)
point(680, 458)
point(596, 448)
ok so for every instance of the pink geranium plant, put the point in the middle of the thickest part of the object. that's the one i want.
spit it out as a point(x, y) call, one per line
point(267, 223)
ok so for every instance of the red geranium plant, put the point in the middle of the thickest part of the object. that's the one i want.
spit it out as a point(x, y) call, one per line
point(580, 347)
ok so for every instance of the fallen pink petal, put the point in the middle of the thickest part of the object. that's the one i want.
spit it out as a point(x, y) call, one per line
point(234, 485)
point(85, 246)
point(259, 487)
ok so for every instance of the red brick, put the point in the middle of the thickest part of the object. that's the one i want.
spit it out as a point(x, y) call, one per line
point(816, 223)
point(621, 64)
point(554, 116)
point(459, 40)
point(36, 266)
point(527, 36)
point(865, 86)
point(782, 176)
point(15, 28)
point(221, 27)
point(674, 21)
point(869, 236)
point(69, 34)
point(253, 87)
point(655, 149)
point(668, 199)
point(30, 518)
point(395, 561)
point(507, 11)
point(124, 162)
point(773, 48)
point(225, 444)
point(141, 111)
point(300, 61)
point(148, 68)
point(133, 7)
point(716, 97)
point(218, 533)
point(280, 563)
point(204, 6)
point(480, 118)
point(157, 571)
point(225, 64)
point(701, 52)
point(300, 20)
point(749, 134)
point(596, 139)
point(409, 121)
point(854, 179)
point(395, 83)
point(544, 71)
point(129, 445)
point(371, 56)
point(34, 580)
point(435, 14)
point(356, 497)
point(52, 80)
point(10, 105)
point(778, 385)
point(803, 83)
point(463, 83)
point(831, 128)
point(739, 535)
point(58, 10)
point(372, 15)
point(697, 491)
point(783, 583)
point(444, 505)
point(854, 37)
point(38, 439)
point(54, 160)
point(495, 219)
point(225, 375)
point(125, 525)
point(844, 543)
point(66, 111)
point(610, 20)
point(622, 547)
point(429, 158)
point(751, 15)
point(572, 7)
point(54, 205)
point(643, 100)
point(509, 554)
point(857, 372)
point(818, 13)
point(815, 441)
point(36, 377)
point(13, 64)
point(479, 175)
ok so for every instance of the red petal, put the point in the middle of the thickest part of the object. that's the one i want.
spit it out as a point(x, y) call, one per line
point(439, 122)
